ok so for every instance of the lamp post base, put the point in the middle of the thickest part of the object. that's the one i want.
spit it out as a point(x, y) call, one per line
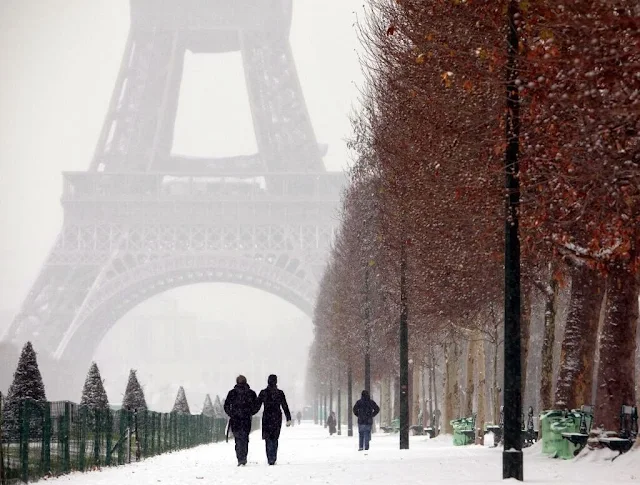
point(512, 464)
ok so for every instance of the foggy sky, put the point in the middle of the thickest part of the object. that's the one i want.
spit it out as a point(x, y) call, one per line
point(173, 340)
point(59, 63)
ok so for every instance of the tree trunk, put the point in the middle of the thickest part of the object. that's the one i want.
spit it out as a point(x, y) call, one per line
point(616, 372)
point(431, 385)
point(525, 337)
point(495, 388)
point(546, 373)
point(450, 379)
point(482, 397)
point(578, 346)
point(456, 368)
point(415, 412)
point(396, 397)
point(386, 402)
point(470, 387)
point(436, 410)
point(423, 394)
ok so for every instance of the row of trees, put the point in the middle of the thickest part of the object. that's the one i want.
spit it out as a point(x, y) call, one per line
point(423, 218)
point(28, 385)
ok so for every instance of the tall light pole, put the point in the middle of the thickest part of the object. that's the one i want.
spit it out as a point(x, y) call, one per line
point(404, 349)
point(339, 410)
point(349, 401)
point(367, 331)
point(512, 454)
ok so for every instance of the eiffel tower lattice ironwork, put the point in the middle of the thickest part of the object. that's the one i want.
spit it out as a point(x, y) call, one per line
point(141, 220)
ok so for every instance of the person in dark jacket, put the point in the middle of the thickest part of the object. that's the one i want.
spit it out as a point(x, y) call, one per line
point(331, 423)
point(365, 409)
point(241, 404)
point(273, 399)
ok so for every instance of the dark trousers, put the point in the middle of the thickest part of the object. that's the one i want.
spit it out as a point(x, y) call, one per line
point(364, 431)
point(241, 437)
point(272, 450)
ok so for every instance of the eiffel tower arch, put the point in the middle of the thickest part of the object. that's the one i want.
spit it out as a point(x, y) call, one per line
point(142, 220)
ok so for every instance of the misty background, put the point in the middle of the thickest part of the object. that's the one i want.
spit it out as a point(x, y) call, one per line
point(60, 59)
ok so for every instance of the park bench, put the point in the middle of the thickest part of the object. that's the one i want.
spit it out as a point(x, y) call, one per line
point(431, 430)
point(394, 428)
point(417, 429)
point(529, 434)
point(628, 431)
point(496, 429)
point(581, 438)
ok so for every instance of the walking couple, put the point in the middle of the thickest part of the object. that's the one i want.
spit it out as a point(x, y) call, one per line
point(242, 403)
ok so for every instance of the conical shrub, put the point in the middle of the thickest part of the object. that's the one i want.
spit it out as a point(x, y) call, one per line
point(93, 392)
point(207, 407)
point(181, 406)
point(27, 385)
point(134, 395)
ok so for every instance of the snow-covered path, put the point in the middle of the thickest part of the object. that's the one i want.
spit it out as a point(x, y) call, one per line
point(308, 456)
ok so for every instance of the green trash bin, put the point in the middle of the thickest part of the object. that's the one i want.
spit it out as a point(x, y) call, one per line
point(563, 448)
point(459, 426)
point(572, 423)
point(549, 439)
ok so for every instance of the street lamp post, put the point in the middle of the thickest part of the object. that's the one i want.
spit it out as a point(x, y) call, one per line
point(512, 454)
point(330, 395)
point(404, 351)
point(339, 412)
point(349, 402)
point(324, 414)
point(315, 408)
point(367, 332)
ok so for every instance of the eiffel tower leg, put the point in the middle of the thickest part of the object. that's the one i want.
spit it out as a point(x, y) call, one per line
point(281, 121)
point(59, 290)
point(138, 129)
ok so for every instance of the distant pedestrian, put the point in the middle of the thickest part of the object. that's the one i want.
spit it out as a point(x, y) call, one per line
point(331, 423)
point(241, 404)
point(299, 416)
point(273, 400)
point(365, 409)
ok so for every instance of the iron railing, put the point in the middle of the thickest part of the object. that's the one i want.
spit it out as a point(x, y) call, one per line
point(53, 438)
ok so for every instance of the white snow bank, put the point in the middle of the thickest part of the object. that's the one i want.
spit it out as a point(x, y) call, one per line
point(308, 456)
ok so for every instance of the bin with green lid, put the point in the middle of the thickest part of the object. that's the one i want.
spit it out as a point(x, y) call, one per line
point(463, 431)
point(549, 439)
point(563, 447)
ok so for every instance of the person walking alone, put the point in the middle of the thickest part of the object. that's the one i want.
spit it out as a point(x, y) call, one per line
point(273, 400)
point(241, 404)
point(331, 423)
point(365, 409)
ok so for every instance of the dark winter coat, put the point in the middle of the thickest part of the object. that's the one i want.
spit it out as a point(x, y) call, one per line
point(331, 423)
point(240, 405)
point(366, 409)
point(273, 399)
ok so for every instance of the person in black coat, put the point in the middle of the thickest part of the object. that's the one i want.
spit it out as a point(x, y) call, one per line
point(365, 409)
point(241, 404)
point(331, 423)
point(273, 399)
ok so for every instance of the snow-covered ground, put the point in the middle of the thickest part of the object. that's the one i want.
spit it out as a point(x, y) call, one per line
point(308, 456)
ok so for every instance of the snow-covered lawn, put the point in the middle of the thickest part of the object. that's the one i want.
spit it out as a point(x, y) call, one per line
point(309, 456)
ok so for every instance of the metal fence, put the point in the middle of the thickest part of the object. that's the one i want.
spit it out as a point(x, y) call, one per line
point(54, 438)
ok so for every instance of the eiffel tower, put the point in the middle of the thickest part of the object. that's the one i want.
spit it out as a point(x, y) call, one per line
point(141, 220)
